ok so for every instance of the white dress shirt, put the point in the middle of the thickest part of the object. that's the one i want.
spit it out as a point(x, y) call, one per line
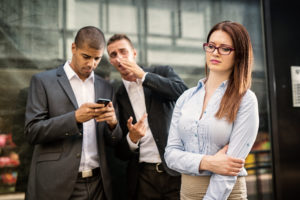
point(85, 92)
point(148, 149)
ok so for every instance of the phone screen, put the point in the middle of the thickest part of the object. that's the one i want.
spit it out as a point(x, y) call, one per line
point(103, 101)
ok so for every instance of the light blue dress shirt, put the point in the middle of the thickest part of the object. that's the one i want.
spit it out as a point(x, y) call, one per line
point(190, 138)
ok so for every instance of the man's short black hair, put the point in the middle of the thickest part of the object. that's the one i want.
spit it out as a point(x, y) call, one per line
point(91, 36)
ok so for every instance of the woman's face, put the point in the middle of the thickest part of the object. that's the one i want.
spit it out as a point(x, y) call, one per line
point(217, 62)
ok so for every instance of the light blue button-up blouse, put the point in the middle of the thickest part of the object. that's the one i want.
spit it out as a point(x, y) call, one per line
point(190, 138)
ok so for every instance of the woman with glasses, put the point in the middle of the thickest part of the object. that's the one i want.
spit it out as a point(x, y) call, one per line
point(220, 111)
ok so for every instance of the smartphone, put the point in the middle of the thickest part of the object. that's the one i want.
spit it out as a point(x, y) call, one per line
point(103, 101)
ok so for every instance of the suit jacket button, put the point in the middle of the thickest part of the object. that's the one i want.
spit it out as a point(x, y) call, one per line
point(78, 155)
point(80, 134)
point(67, 134)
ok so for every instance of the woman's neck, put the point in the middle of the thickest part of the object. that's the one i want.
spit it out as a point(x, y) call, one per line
point(214, 80)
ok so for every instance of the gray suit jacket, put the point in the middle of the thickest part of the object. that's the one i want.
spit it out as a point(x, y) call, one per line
point(57, 138)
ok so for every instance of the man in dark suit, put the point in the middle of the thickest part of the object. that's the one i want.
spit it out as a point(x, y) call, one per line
point(145, 101)
point(68, 130)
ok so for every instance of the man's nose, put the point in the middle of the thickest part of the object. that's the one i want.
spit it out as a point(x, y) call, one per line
point(119, 56)
point(117, 60)
point(91, 62)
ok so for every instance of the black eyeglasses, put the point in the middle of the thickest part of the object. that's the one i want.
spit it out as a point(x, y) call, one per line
point(223, 50)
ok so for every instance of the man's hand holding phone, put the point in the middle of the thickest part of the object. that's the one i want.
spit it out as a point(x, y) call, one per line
point(86, 112)
point(105, 112)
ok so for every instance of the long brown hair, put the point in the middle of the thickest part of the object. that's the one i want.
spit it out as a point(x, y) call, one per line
point(240, 78)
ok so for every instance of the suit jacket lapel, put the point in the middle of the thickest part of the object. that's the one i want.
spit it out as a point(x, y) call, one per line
point(65, 84)
point(124, 100)
point(98, 88)
point(147, 93)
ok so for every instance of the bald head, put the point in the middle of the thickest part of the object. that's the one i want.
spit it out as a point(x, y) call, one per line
point(91, 36)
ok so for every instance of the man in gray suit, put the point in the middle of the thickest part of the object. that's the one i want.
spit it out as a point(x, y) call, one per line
point(68, 130)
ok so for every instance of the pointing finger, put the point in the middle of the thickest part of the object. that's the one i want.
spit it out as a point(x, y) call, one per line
point(129, 123)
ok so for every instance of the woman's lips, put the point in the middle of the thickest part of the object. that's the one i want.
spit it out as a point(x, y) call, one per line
point(215, 61)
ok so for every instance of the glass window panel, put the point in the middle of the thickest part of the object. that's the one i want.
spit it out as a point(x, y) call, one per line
point(86, 14)
point(162, 28)
point(189, 20)
point(122, 19)
point(159, 41)
point(173, 58)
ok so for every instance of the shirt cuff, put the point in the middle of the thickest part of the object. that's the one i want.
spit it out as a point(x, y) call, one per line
point(132, 145)
point(144, 77)
point(195, 163)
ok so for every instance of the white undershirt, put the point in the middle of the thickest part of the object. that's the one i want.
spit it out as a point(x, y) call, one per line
point(148, 149)
point(85, 92)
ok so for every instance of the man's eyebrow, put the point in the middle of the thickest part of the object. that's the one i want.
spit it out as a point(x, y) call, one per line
point(85, 55)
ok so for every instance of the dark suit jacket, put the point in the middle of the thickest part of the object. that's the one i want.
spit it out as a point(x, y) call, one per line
point(57, 138)
point(162, 86)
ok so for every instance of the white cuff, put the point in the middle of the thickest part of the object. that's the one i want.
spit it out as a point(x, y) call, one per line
point(144, 77)
point(132, 145)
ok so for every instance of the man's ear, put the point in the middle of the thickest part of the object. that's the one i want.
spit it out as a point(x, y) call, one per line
point(134, 53)
point(73, 48)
